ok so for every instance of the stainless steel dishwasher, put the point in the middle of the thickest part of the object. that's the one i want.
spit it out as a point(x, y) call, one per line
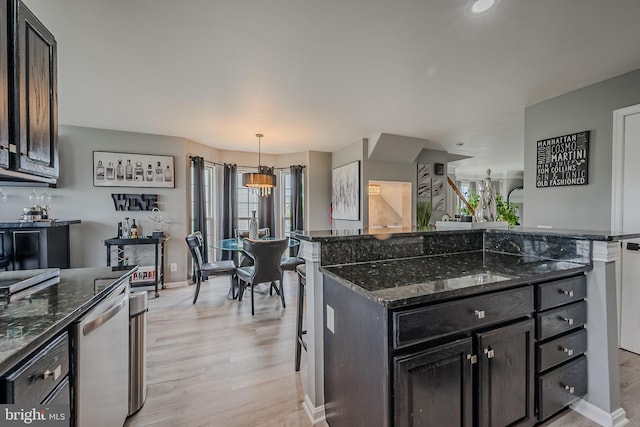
point(102, 360)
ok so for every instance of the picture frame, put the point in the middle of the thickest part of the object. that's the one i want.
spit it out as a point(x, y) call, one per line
point(113, 169)
point(424, 181)
point(345, 191)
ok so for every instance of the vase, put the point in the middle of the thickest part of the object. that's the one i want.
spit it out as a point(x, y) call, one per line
point(253, 226)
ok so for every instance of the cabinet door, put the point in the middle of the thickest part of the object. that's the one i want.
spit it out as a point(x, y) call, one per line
point(434, 387)
point(506, 375)
point(36, 95)
point(4, 87)
point(26, 250)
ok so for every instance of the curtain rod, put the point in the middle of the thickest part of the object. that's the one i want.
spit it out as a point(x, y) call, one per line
point(248, 167)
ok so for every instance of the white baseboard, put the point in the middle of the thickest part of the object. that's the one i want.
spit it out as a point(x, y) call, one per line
point(315, 414)
point(617, 418)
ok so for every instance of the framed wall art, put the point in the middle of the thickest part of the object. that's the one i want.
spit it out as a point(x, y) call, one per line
point(132, 170)
point(345, 191)
point(424, 181)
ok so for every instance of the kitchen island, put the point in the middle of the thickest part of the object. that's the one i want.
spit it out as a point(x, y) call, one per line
point(354, 258)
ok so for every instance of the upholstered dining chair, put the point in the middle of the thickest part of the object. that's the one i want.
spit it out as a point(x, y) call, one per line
point(266, 268)
point(203, 270)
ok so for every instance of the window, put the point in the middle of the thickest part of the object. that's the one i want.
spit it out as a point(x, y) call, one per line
point(210, 200)
point(247, 201)
point(285, 180)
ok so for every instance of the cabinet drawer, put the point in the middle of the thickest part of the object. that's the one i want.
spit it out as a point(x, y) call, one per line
point(562, 319)
point(561, 386)
point(34, 380)
point(60, 395)
point(427, 323)
point(559, 292)
point(561, 349)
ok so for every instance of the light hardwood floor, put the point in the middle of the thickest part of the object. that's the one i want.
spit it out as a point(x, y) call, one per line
point(213, 364)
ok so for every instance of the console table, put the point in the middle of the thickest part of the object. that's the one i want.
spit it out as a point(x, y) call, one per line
point(158, 243)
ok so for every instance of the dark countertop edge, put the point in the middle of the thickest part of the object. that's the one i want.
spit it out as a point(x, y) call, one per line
point(605, 236)
point(457, 293)
point(327, 235)
point(377, 234)
point(39, 224)
point(61, 325)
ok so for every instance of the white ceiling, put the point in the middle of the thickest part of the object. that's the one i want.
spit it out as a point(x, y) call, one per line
point(320, 75)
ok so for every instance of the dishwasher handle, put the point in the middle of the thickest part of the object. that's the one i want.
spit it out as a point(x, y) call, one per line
point(104, 317)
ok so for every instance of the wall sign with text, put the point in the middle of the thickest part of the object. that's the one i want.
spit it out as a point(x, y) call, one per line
point(563, 160)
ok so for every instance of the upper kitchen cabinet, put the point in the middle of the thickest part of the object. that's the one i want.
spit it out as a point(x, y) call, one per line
point(4, 89)
point(35, 117)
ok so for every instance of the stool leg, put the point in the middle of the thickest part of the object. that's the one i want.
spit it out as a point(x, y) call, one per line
point(299, 323)
point(252, 310)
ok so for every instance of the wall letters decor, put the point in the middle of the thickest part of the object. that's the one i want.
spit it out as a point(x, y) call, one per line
point(135, 202)
point(563, 160)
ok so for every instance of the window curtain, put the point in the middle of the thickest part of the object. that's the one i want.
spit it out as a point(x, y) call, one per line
point(297, 199)
point(229, 205)
point(266, 216)
point(199, 202)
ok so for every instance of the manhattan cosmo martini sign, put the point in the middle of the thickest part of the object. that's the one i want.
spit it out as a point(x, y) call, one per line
point(563, 160)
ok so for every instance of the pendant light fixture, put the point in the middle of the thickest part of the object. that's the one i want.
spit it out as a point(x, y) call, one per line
point(262, 182)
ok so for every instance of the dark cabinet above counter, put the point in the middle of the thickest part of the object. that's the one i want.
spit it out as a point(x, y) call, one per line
point(28, 99)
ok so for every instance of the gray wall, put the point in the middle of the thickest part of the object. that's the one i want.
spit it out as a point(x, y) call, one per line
point(77, 198)
point(589, 108)
point(318, 189)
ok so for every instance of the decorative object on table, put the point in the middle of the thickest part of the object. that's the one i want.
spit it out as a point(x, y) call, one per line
point(158, 219)
point(345, 191)
point(437, 194)
point(116, 170)
point(486, 210)
point(133, 231)
point(563, 160)
point(253, 226)
point(263, 181)
point(423, 214)
point(134, 202)
point(424, 181)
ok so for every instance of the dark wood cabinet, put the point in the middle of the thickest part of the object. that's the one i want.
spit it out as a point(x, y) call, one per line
point(28, 97)
point(505, 375)
point(36, 247)
point(35, 95)
point(423, 381)
point(4, 89)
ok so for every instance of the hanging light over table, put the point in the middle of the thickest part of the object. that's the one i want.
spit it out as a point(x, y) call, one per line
point(262, 182)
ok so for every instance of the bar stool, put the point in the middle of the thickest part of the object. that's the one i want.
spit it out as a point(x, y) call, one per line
point(300, 341)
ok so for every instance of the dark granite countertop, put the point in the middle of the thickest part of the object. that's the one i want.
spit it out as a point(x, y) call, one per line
point(28, 323)
point(407, 281)
point(38, 224)
point(384, 233)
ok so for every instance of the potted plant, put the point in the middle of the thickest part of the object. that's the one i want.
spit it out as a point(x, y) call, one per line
point(423, 214)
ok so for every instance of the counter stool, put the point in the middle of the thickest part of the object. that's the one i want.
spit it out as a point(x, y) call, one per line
point(300, 341)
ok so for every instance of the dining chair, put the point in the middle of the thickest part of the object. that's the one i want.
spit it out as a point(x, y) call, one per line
point(203, 270)
point(266, 268)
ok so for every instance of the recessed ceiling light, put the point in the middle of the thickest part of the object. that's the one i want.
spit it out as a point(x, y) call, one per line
point(480, 6)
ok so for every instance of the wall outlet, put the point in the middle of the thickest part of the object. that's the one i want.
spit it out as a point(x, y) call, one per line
point(330, 319)
point(174, 266)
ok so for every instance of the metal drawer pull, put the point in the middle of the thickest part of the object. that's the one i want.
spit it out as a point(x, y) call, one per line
point(568, 293)
point(490, 354)
point(569, 351)
point(55, 373)
point(569, 389)
point(472, 358)
point(569, 320)
point(479, 314)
